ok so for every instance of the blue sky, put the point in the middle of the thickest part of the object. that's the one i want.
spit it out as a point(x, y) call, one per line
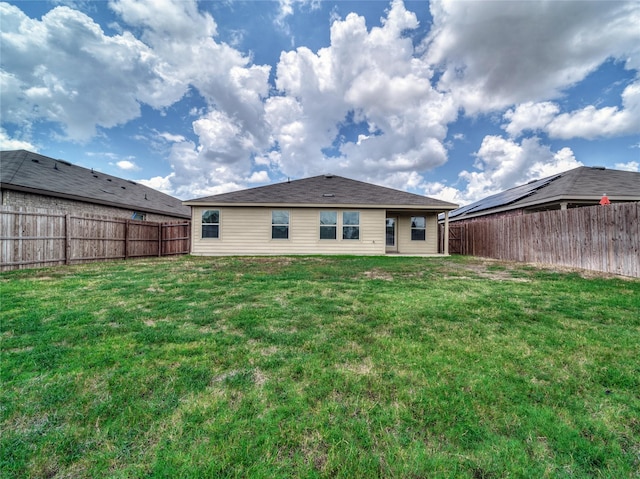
point(451, 99)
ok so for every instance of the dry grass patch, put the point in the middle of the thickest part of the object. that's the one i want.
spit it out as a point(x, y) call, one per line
point(378, 274)
point(363, 368)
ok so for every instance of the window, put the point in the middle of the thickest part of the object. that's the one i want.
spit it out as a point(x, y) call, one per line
point(350, 225)
point(328, 224)
point(211, 224)
point(279, 224)
point(391, 232)
point(138, 216)
point(418, 228)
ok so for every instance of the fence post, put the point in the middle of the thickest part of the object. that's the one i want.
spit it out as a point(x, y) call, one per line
point(126, 239)
point(159, 239)
point(445, 236)
point(67, 239)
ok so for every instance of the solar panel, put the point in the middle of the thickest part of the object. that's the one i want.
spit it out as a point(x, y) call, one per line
point(505, 197)
point(462, 210)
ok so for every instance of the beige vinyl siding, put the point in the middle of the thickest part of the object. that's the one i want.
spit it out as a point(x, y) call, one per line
point(247, 231)
point(428, 246)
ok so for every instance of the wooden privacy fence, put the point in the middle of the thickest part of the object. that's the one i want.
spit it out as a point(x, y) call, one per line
point(598, 238)
point(31, 238)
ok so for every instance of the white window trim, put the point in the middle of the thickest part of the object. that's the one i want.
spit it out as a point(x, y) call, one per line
point(288, 225)
point(342, 226)
point(219, 223)
point(336, 226)
point(412, 229)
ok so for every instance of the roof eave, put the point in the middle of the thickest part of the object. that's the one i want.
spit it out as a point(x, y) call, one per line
point(323, 205)
point(542, 202)
point(572, 198)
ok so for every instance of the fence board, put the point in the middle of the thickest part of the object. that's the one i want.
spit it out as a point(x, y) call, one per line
point(599, 238)
point(31, 237)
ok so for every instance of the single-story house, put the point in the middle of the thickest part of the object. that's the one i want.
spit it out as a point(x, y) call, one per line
point(324, 214)
point(582, 186)
point(28, 179)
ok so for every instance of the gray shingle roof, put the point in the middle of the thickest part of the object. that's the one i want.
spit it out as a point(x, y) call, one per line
point(325, 190)
point(582, 184)
point(587, 182)
point(27, 171)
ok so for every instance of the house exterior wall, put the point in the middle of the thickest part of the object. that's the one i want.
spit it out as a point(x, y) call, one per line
point(407, 246)
point(247, 231)
point(32, 200)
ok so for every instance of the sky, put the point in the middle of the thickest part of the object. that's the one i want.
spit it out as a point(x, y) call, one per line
point(455, 100)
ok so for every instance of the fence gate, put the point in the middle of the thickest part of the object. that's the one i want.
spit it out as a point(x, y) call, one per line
point(456, 233)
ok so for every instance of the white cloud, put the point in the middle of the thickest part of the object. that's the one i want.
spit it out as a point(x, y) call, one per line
point(286, 9)
point(8, 143)
point(127, 165)
point(208, 169)
point(496, 54)
point(174, 20)
point(629, 166)
point(588, 123)
point(504, 163)
point(224, 141)
point(64, 69)
point(529, 116)
point(170, 137)
point(183, 37)
point(484, 56)
point(444, 192)
point(591, 122)
point(369, 77)
point(374, 77)
point(258, 177)
point(160, 183)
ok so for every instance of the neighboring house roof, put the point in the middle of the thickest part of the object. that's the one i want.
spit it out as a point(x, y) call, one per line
point(325, 190)
point(582, 185)
point(23, 170)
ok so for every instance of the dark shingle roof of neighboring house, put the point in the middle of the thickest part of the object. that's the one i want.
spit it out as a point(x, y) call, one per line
point(582, 185)
point(325, 190)
point(23, 170)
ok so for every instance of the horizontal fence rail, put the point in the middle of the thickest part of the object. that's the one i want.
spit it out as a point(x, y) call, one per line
point(31, 238)
point(599, 238)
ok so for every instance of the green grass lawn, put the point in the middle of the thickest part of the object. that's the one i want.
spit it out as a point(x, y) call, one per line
point(318, 367)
